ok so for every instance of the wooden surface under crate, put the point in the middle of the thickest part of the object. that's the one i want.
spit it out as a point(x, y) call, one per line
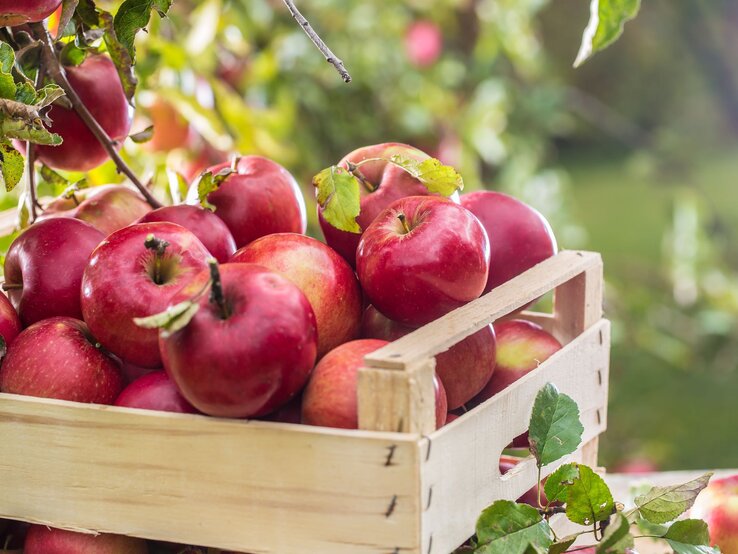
point(265, 487)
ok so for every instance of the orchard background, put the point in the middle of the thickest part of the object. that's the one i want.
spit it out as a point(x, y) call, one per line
point(633, 155)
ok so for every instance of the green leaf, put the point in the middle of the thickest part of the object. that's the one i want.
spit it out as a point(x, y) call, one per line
point(509, 528)
point(170, 320)
point(606, 21)
point(47, 95)
point(617, 536)
point(68, 7)
point(52, 177)
point(562, 545)
point(648, 528)
point(558, 482)
point(664, 504)
point(210, 183)
point(143, 136)
point(134, 15)
point(690, 536)
point(25, 93)
point(11, 166)
point(555, 428)
point(122, 57)
point(7, 60)
point(437, 178)
point(339, 196)
point(589, 498)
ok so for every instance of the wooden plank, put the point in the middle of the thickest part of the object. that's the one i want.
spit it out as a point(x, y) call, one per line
point(248, 486)
point(401, 401)
point(448, 330)
point(578, 303)
point(460, 474)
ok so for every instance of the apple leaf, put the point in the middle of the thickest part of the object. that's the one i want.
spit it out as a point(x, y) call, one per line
point(68, 7)
point(7, 60)
point(210, 182)
point(558, 482)
point(690, 536)
point(664, 504)
point(47, 95)
point(11, 166)
point(134, 15)
point(589, 498)
point(170, 320)
point(617, 536)
point(606, 21)
point(339, 196)
point(506, 527)
point(143, 136)
point(555, 428)
point(562, 545)
point(437, 178)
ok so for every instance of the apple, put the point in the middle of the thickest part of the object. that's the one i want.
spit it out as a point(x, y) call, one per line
point(464, 369)
point(132, 372)
point(329, 399)
point(46, 540)
point(44, 265)
point(171, 130)
point(451, 417)
point(16, 12)
point(421, 258)
point(322, 275)
point(531, 495)
point(423, 43)
point(10, 324)
point(521, 239)
point(134, 273)
point(259, 198)
point(289, 413)
point(154, 391)
point(718, 506)
point(203, 223)
point(383, 183)
point(249, 348)
point(59, 358)
point(97, 84)
point(521, 347)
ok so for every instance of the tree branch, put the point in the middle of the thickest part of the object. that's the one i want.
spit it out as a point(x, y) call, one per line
point(31, 155)
point(56, 72)
point(330, 57)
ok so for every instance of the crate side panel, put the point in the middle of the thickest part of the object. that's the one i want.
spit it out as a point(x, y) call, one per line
point(245, 486)
point(460, 474)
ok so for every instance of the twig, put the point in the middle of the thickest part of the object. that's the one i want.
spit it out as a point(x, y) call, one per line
point(31, 155)
point(56, 72)
point(330, 57)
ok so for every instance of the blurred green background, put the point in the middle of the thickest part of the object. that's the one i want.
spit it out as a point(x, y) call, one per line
point(635, 155)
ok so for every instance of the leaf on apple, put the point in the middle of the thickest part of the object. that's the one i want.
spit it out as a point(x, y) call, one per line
point(562, 545)
point(558, 482)
point(144, 136)
point(606, 21)
point(589, 498)
point(617, 536)
point(170, 320)
point(210, 182)
point(506, 527)
point(339, 196)
point(690, 536)
point(11, 166)
point(555, 429)
point(664, 504)
point(437, 178)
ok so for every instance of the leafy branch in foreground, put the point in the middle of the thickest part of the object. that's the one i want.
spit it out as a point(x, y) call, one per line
point(555, 431)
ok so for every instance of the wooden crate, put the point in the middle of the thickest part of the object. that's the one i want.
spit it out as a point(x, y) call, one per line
point(396, 486)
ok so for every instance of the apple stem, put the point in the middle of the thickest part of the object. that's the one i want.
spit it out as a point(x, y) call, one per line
point(158, 246)
point(216, 289)
point(403, 220)
point(12, 286)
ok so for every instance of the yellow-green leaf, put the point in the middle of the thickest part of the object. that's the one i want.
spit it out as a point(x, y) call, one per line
point(606, 21)
point(437, 178)
point(170, 320)
point(339, 196)
point(11, 166)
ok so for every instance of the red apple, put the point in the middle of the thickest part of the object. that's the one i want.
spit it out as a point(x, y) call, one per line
point(289, 413)
point(521, 347)
point(59, 358)
point(247, 351)
point(451, 417)
point(154, 391)
point(423, 43)
point(130, 276)
point(464, 369)
point(203, 223)
point(531, 495)
point(46, 540)
point(17, 12)
point(329, 400)
point(44, 265)
point(718, 506)
point(258, 199)
point(171, 130)
point(383, 183)
point(421, 258)
point(132, 372)
point(97, 83)
point(322, 275)
point(521, 239)
point(10, 324)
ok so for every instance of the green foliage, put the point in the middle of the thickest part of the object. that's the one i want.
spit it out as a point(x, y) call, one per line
point(555, 429)
point(558, 483)
point(11, 166)
point(172, 319)
point(338, 194)
point(509, 528)
point(134, 15)
point(589, 499)
point(436, 177)
point(607, 19)
point(617, 536)
point(690, 536)
point(210, 182)
point(664, 504)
